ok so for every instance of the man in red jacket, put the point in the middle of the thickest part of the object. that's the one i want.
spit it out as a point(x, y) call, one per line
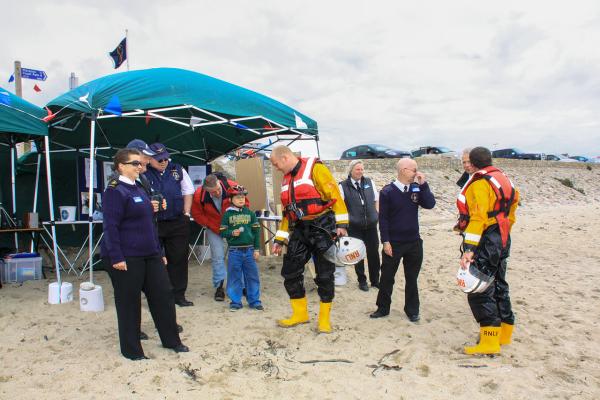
point(208, 204)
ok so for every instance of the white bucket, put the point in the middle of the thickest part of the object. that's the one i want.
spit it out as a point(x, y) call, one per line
point(66, 293)
point(91, 300)
point(340, 277)
point(68, 213)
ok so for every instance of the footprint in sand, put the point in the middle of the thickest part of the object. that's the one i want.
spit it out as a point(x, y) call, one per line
point(423, 370)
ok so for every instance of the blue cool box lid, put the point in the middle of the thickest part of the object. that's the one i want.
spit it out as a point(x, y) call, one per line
point(23, 255)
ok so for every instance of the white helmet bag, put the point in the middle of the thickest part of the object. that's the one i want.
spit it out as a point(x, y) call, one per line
point(471, 280)
point(346, 251)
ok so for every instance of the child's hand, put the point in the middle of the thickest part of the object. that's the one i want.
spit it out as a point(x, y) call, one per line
point(256, 255)
point(235, 232)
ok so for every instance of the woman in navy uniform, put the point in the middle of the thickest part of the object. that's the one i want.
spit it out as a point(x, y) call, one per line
point(130, 246)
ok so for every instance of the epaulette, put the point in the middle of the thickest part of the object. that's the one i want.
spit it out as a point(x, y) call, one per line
point(112, 183)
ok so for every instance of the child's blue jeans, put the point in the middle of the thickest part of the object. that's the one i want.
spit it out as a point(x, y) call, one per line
point(242, 269)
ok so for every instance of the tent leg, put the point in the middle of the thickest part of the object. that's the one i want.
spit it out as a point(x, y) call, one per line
point(35, 196)
point(91, 195)
point(317, 143)
point(51, 210)
point(13, 167)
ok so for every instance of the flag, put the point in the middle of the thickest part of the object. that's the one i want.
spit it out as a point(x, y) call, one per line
point(119, 55)
point(37, 88)
point(11, 79)
point(114, 106)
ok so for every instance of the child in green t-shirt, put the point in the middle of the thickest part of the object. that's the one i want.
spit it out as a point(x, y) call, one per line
point(240, 227)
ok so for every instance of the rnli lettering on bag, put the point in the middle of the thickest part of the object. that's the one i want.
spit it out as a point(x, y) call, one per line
point(353, 256)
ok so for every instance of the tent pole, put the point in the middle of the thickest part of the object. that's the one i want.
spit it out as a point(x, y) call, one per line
point(91, 194)
point(35, 193)
point(51, 210)
point(317, 143)
point(13, 167)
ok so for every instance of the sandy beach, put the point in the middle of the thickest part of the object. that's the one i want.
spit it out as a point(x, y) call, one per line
point(57, 351)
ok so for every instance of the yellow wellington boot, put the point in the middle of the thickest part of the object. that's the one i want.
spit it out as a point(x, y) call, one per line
point(489, 341)
point(324, 324)
point(299, 313)
point(506, 331)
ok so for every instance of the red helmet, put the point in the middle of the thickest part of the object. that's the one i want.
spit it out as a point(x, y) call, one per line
point(237, 190)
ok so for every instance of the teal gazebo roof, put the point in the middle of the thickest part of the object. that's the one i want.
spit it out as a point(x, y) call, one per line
point(193, 114)
point(20, 119)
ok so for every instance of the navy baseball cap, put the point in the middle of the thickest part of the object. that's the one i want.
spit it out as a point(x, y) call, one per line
point(160, 151)
point(140, 145)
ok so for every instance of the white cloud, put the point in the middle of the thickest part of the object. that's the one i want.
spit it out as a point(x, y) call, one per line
point(458, 73)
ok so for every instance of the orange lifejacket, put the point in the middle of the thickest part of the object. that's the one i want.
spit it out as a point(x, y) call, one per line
point(303, 195)
point(505, 196)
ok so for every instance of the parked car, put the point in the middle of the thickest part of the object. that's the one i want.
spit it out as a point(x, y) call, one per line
point(580, 158)
point(434, 150)
point(559, 158)
point(517, 154)
point(366, 151)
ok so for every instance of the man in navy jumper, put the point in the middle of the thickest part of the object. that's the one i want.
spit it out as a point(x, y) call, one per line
point(399, 229)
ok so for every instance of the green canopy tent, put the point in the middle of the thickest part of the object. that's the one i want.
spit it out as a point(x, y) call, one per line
point(197, 117)
point(21, 121)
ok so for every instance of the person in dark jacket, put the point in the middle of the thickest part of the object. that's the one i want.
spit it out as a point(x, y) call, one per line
point(399, 204)
point(362, 200)
point(171, 180)
point(131, 249)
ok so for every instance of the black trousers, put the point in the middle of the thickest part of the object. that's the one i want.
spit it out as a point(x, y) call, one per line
point(493, 306)
point(174, 236)
point(146, 274)
point(370, 236)
point(411, 255)
point(310, 238)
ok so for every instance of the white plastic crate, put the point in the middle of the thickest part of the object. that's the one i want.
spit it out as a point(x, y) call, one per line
point(16, 270)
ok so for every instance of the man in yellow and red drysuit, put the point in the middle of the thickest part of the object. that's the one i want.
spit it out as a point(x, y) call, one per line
point(314, 213)
point(487, 205)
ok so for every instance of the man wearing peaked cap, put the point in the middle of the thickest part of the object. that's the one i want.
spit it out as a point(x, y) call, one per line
point(173, 182)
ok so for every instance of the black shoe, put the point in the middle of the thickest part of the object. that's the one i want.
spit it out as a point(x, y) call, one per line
point(414, 318)
point(220, 294)
point(139, 358)
point(363, 286)
point(184, 303)
point(143, 336)
point(379, 314)
point(179, 328)
point(375, 285)
point(258, 307)
point(181, 348)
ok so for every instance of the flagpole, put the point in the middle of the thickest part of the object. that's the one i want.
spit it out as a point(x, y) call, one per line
point(127, 47)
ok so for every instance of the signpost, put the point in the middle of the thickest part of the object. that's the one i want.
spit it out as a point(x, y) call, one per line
point(33, 74)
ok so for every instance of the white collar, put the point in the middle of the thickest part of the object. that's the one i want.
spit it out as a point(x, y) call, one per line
point(401, 185)
point(125, 179)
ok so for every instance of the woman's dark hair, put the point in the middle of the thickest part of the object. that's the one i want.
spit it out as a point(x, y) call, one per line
point(480, 157)
point(123, 156)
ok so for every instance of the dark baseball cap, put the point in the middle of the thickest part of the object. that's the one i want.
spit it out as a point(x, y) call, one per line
point(160, 151)
point(140, 145)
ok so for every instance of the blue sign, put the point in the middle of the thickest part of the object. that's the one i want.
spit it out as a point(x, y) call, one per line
point(33, 74)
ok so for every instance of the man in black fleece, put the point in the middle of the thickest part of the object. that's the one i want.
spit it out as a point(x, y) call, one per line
point(399, 204)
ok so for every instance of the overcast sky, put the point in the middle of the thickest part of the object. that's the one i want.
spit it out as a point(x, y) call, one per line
point(401, 73)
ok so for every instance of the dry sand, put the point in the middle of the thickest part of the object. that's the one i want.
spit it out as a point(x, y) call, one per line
point(57, 352)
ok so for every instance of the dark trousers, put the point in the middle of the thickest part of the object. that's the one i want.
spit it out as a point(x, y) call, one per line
point(174, 236)
point(146, 274)
point(310, 238)
point(371, 238)
point(411, 255)
point(493, 306)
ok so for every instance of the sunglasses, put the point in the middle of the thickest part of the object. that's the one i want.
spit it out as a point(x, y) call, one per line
point(162, 160)
point(135, 163)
